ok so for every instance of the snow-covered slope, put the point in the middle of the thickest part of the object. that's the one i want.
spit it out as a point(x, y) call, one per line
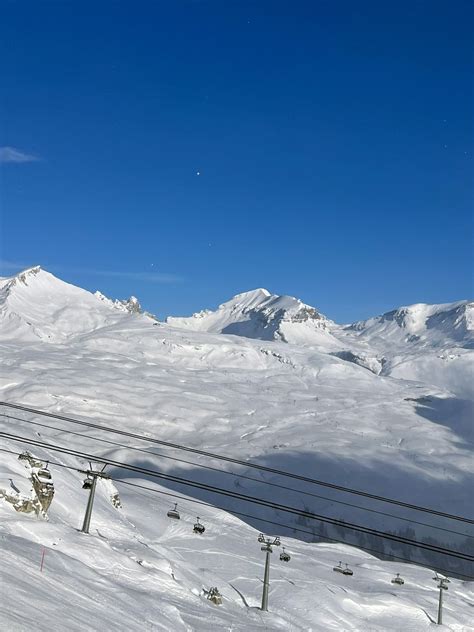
point(305, 407)
point(429, 343)
point(37, 305)
point(428, 325)
point(138, 570)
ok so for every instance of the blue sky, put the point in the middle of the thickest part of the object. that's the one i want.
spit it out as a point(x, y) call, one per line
point(333, 142)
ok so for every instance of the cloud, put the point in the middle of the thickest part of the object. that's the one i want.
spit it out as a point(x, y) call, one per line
point(150, 277)
point(146, 277)
point(10, 154)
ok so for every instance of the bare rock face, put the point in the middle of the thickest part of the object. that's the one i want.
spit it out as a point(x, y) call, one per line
point(132, 305)
point(369, 362)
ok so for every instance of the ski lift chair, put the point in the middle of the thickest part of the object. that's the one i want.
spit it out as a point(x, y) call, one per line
point(198, 527)
point(174, 513)
point(347, 571)
point(398, 580)
point(338, 568)
point(87, 484)
point(284, 556)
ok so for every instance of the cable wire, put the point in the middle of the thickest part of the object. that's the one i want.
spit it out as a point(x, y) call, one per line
point(243, 463)
point(243, 476)
point(246, 515)
point(243, 497)
point(287, 526)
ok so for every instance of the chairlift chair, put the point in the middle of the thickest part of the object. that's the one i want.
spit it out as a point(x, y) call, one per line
point(284, 556)
point(338, 568)
point(87, 484)
point(198, 527)
point(174, 513)
point(347, 571)
point(398, 580)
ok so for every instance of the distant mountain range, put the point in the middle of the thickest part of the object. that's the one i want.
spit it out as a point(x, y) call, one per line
point(419, 342)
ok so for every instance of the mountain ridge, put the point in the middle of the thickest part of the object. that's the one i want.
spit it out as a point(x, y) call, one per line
point(456, 319)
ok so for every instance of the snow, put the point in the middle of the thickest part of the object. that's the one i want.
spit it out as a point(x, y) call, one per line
point(140, 570)
point(260, 314)
point(37, 305)
point(296, 401)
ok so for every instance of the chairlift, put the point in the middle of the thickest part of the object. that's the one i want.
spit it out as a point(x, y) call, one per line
point(347, 571)
point(174, 513)
point(284, 556)
point(398, 580)
point(198, 527)
point(338, 568)
point(44, 475)
point(87, 484)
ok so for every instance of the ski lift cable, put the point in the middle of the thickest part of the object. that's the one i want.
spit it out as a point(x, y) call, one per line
point(243, 476)
point(240, 462)
point(280, 524)
point(244, 498)
point(246, 515)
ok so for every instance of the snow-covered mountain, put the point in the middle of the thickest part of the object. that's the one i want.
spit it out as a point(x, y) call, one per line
point(429, 343)
point(422, 342)
point(359, 405)
point(37, 305)
point(429, 325)
point(259, 314)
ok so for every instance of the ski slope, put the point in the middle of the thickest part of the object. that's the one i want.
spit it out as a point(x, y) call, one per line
point(139, 570)
point(379, 405)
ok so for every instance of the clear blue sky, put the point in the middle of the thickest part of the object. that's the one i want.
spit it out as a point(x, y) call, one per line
point(333, 141)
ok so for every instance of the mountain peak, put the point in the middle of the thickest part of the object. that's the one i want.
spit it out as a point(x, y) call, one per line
point(131, 305)
point(24, 275)
point(248, 300)
point(35, 304)
point(262, 315)
point(423, 323)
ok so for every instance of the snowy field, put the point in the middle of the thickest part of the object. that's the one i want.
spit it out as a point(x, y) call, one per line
point(384, 406)
point(139, 570)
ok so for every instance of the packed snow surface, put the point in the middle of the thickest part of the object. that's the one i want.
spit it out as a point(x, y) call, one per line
point(384, 405)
